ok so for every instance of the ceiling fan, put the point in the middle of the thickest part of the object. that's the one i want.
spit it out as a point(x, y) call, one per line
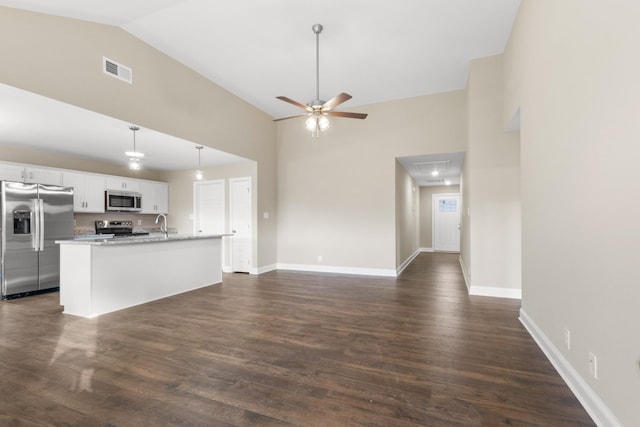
point(318, 111)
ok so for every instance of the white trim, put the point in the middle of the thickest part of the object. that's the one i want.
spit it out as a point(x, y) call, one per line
point(426, 250)
point(465, 273)
point(226, 269)
point(341, 270)
point(406, 262)
point(595, 407)
point(264, 269)
point(488, 291)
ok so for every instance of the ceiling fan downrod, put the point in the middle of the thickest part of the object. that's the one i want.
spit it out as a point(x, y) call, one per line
point(317, 29)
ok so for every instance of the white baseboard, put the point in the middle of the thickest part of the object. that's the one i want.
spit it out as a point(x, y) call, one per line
point(486, 291)
point(264, 269)
point(227, 269)
point(426, 250)
point(595, 407)
point(406, 262)
point(341, 270)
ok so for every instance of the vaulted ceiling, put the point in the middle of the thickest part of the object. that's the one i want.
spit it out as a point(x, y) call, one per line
point(374, 50)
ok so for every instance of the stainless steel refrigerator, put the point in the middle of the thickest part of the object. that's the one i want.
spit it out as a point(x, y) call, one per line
point(34, 216)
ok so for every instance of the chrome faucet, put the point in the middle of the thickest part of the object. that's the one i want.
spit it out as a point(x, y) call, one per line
point(163, 226)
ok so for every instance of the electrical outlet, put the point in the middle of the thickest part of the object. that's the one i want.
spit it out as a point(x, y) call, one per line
point(319, 258)
point(567, 338)
point(593, 365)
point(139, 222)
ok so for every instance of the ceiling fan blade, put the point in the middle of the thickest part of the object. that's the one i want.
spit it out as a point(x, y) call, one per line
point(347, 115)
point(291, 101)
point(334, 102)
point(290, 117)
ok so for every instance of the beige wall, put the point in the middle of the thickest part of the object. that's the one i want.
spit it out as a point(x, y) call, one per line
point(407, 215)
point(426, 211)
point(578, 99)
point(465, 221)
point(336, 194)
point(491, 201)
point(61, 58)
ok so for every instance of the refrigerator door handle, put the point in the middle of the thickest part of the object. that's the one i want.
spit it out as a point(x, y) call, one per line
point(33, 219)
point(41, 224)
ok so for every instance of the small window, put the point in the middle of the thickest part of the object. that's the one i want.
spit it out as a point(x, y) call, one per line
point(448, 205)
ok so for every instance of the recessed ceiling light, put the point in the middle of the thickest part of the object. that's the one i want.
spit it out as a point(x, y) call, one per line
point(435, 173)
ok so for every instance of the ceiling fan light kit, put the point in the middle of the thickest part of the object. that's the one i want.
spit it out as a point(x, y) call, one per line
point(318, 111)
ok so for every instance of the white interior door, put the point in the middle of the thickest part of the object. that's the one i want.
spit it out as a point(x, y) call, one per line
point(446, 222)
point(209, 215)
point(240, 221)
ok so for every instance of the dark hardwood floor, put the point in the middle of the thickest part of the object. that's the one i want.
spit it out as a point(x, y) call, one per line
point(285, 348)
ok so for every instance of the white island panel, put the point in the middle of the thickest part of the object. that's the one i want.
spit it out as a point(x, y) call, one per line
point(100, 278)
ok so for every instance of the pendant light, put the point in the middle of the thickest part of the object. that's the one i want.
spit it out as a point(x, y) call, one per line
point(134, 156)
point(199, 173)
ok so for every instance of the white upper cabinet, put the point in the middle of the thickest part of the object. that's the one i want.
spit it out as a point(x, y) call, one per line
point(42, 176)
point(88, 191)
point(89, 188)
point(155, 197)
point(11, 172)
point(23, 173)
point(124, 184)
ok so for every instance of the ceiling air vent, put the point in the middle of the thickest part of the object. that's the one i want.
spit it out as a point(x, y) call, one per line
point(114, 69)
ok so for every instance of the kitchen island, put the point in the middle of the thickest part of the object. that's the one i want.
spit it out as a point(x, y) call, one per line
point(101, 275)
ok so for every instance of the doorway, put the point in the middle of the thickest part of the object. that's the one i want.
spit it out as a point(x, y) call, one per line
point(446, 222)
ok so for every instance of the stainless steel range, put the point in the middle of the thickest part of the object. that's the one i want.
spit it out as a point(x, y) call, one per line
point(117, 228)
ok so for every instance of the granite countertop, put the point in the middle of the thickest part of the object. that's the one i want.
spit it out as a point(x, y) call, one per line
point(152, 238)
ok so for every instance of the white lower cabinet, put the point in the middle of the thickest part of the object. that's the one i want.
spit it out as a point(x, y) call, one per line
point(88, 191)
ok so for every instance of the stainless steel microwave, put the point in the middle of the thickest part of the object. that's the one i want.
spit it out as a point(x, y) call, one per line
point(122, 201)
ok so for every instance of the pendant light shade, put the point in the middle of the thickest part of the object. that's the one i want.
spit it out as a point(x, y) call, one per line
point(199, 174)
point(134, 156)
point(134, 163)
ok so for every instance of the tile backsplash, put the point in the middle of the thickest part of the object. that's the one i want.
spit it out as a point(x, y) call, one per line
point(85, 222)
